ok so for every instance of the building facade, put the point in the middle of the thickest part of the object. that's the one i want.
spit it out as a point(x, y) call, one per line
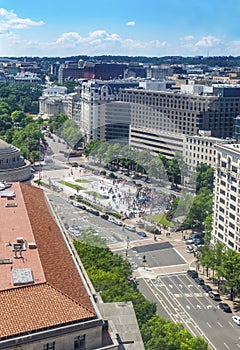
point(226, 211)
point(103, 117)
point(175, 112)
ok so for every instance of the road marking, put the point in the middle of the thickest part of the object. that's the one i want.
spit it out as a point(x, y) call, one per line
point(231, 324)
point(170, 285)
point(209, 325)
point(190, 285)
point(199, 307)
point(220, 324)
point(238, 345)
point(226, 345)
point(180, 285)
point(178, 295)
point(209, 306)
point(188, 295)
point(188, 307)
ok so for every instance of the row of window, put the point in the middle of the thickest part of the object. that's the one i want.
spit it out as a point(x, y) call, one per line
point(79, 343)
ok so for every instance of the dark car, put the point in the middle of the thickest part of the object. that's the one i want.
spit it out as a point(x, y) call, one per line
point(199, 281)
point(225, 307)
point(194, 275)
point(95, 212)
point(207, 288)
point(190, 272)
point(214, 295)
point(82, 207)
point(141, 233)
point(105, 216)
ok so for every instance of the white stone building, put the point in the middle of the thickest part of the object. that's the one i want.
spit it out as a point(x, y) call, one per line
point(226, 211)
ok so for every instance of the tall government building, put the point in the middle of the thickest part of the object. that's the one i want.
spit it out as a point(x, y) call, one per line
point(226, 211)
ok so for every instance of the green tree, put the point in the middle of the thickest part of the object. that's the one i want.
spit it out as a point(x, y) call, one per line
point(17, 116)
point(204, 177)
point(230, 265)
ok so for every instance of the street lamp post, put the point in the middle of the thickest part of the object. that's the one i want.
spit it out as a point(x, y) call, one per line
point(127, 245)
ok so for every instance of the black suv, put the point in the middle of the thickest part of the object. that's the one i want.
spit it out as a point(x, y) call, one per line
point(192, 273)
point(199, 281)
point(207, 288)
point(225, 307)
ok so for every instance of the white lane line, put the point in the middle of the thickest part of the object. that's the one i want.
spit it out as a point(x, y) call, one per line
point(220, 324)
point(209, 325)
point(226, 345)
point(188, 307)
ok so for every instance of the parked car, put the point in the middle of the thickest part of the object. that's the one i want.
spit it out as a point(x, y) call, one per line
point(214, 295)
point(199, 281)
point(207, 288)
point(192, 273)
point(225, 307)
point(236, 319)
point(118, 222)
point(105, 216)
point(130, 227)
point(111, 220)
point(141, 233)
point(198, 241)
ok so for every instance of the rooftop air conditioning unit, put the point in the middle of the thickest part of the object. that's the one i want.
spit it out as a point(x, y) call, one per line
point(20, 240)
point(32, 245)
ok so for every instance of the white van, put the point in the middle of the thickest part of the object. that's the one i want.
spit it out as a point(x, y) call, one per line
point(130, 227)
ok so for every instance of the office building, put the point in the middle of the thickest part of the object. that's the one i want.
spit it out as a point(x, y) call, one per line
point(101, 112)
point(226, 210)
point(182, 112)
point(200, 148)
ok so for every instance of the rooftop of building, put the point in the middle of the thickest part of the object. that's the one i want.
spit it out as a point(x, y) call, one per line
point(230, 147)
point(40, 285)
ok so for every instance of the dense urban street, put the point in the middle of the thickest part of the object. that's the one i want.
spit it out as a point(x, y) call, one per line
point(159, 264)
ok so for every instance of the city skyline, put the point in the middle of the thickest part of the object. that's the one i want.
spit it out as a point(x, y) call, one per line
point(157, 28)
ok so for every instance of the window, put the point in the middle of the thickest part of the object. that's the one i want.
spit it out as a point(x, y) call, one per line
point(80, 342)
point(49, 346)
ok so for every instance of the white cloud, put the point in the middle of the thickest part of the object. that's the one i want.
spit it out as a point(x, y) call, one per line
point(188, 38)
point(101, 42)
point(9, 21)
point(208, 41)
point(130, 24)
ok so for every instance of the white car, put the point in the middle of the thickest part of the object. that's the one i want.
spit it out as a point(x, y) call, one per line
point(112, 220)
point(236, 319)
point(117, 222)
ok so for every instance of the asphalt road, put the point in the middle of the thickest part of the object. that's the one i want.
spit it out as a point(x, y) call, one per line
point(180, 299)
point(70, 215)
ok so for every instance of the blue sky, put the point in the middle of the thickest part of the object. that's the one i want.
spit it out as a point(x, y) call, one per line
point(123, 27)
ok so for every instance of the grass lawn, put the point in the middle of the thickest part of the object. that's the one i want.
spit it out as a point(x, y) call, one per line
point(95, 194)
point(160, 219)
point(84, 181)
point(69, 184)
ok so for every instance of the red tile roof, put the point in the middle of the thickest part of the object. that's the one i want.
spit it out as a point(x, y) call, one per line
point(58, 266)
point(35, 307)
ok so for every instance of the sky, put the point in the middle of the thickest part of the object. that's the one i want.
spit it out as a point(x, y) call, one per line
point(53, 28)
